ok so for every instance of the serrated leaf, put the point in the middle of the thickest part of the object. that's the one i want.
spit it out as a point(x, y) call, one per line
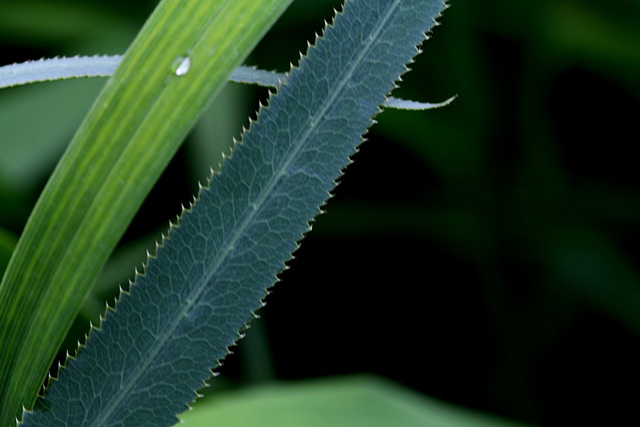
point(135, 126)
point(143, 365)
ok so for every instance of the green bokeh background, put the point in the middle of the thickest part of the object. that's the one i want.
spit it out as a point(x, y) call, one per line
point(484, 253)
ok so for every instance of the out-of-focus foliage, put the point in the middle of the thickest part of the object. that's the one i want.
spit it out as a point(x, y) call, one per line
point(502, 228)
point(337, 402)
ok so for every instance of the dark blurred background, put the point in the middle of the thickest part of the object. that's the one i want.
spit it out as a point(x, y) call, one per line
point(484, 253)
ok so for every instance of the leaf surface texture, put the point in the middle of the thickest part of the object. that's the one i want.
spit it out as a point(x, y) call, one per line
point(210, 274)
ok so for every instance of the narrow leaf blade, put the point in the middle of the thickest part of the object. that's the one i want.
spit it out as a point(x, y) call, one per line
point(57, 69)
point(52, 69)
point(136, 125)
point(143, 365)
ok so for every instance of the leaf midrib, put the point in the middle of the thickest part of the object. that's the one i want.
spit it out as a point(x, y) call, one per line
point(66, 248)
point(100, 420)
point(251, 213)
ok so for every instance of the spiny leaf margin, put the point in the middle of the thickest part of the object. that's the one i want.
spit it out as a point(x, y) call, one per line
point(212, 272)
point(136, 124)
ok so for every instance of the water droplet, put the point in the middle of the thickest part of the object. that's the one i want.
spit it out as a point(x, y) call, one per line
point(183, 66)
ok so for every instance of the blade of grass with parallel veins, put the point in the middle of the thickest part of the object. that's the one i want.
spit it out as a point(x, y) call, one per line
point(179, 61)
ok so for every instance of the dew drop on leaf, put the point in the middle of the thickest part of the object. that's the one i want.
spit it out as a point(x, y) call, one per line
point(183, 66)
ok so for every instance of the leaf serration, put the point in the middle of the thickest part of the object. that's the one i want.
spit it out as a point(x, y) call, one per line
point(245, 251)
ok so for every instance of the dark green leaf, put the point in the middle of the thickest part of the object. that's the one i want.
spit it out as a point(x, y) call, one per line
point(143, 366)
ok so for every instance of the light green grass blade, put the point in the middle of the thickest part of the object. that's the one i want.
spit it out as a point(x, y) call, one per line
point(143, 365)
point(131, 133)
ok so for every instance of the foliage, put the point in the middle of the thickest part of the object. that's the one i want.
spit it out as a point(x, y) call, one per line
point(144, 364)
point(110, 165)
point(477, 217)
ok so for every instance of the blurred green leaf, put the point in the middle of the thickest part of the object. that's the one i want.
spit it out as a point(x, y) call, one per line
point(37, 124)
point(595, 270)
point(336, 402)
point(80, 27)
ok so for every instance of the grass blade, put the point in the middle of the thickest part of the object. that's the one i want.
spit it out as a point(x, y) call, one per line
point(131, 133)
